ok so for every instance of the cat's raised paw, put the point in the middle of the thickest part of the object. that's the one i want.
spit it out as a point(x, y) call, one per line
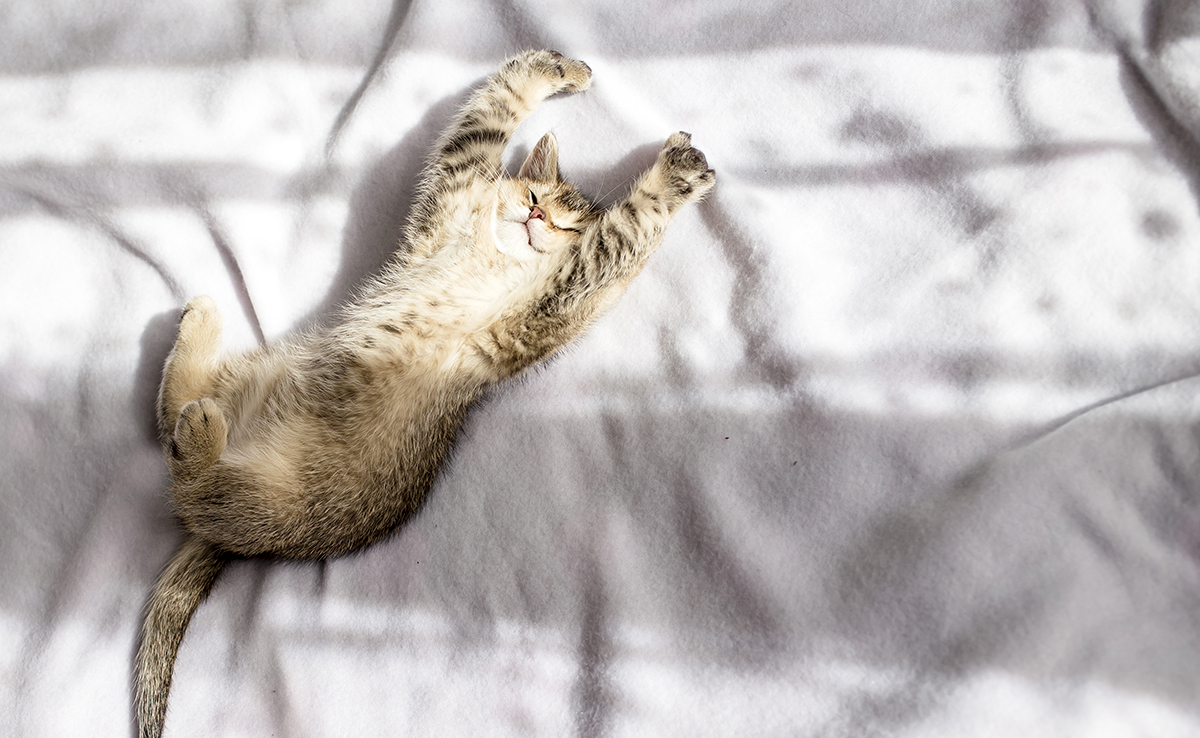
point(200, 321)
point(199, 306)
point(685, 167)
point(563, 72)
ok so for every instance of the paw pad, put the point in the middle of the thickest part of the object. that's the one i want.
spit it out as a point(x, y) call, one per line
point(686, 166)
point(200, 431)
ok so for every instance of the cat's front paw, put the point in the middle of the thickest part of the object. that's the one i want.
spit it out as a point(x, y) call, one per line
point(562, 72)
point(684, 168)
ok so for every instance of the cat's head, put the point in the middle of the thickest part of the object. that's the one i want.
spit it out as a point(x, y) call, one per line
point(537, 212)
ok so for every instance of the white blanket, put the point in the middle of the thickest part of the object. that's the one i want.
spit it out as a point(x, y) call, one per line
point(896, 435)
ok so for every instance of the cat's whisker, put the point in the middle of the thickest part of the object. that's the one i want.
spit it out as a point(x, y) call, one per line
point(607, 193)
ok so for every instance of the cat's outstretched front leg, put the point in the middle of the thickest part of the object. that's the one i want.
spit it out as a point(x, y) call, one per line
point(594, 272)
point(679, 176)
point(618, 247)
point(475, 142)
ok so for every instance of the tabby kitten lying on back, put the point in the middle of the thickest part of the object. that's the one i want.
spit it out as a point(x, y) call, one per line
point(323, 443)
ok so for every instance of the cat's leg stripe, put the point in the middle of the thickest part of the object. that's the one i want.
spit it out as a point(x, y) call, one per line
point(462, 140)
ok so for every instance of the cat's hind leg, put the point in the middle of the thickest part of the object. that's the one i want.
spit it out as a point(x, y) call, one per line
point(188, 373)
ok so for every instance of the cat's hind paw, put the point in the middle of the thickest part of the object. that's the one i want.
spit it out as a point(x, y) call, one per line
point(200, 325)
point(684, 168)
point(200, 433)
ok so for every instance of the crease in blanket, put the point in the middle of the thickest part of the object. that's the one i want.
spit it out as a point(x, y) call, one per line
point(323, 443)
point(764, 351)
point(229, 259)
point(1158, 50)
point(1152, 101)
point(1053, 426)
point(92, 217)
point(391, 31)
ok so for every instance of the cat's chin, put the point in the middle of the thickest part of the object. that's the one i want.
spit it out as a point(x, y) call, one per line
point(520, 252)
point(513, 239)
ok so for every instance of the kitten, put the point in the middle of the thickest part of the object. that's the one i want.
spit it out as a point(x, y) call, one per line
point(323, 443)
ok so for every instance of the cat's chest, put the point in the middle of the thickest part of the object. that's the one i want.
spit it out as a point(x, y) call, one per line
point(434, 321)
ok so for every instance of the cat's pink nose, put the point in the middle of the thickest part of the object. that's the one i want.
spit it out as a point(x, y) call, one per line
point(535, 213)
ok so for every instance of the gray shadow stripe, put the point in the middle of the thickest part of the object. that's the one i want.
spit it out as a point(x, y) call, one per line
point(935, 165)
point(236, 277)
point(82, 35)
point(399, 12)
point(120, 184)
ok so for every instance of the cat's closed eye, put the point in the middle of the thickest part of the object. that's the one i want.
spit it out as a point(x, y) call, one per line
point(532, 197)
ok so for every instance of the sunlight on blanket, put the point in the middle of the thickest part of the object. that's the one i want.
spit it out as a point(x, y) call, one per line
point(43, 261)
point(428, 675)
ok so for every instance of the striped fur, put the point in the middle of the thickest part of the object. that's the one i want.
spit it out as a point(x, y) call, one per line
point(323, 443)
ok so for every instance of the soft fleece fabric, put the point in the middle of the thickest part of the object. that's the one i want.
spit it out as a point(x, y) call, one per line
point(896, 435)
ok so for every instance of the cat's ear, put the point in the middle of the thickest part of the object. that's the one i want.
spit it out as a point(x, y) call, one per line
point(542, 163)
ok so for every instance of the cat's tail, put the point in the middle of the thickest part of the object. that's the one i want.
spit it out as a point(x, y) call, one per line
point(180, 589)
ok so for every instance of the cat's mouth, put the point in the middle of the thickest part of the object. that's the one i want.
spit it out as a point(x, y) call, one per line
point(529, 238)
point(535, 213)
point(517, 236)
